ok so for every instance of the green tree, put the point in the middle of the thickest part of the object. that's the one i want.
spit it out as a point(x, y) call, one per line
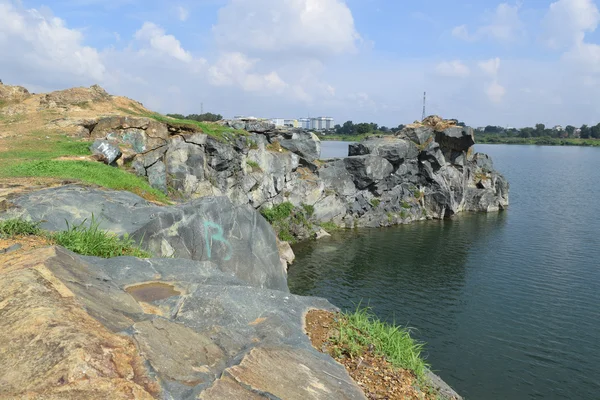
point(364, 128)
point(178, 116)
point(539, 130)
point(570, 129)
point(585, 131)
point(595, 131)
point(526, 132)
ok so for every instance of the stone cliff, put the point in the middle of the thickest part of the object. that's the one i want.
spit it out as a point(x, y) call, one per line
point(427, 170)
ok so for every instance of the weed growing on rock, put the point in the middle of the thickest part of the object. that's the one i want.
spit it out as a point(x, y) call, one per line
point(88, 240)
point(278, 212)
point(18, 227)
point(329, 226)
point(375, 202)
point(92, 241)
point(254, 165)
point(309, 209)
point(361, 329)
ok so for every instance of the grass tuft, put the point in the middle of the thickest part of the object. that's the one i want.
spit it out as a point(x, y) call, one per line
point(92, 241)
point(88, 240)
point(18, 227)
point(360, 329)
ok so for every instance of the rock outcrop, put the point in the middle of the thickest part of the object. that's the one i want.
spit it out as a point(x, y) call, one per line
point(215, 320)
point(428, 170)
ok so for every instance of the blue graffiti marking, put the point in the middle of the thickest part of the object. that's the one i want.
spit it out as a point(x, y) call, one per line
point(218, 236)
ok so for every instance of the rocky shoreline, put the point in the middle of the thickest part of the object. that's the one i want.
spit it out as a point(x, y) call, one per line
point(212, 316)
point(426, 171)
point(212, 320)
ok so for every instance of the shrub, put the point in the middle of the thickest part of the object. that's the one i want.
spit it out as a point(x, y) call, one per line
point(278, 213)
point(375, 202)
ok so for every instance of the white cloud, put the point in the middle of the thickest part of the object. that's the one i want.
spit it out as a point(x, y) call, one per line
point(567, 21)
point(41, 47)
point(461, 32)
point(317, 27)
point(495, 91)
point(236, 68)
point(155, 36)
point(453, 69)
point(490, 67)
point(503, 25)
point(182, 13)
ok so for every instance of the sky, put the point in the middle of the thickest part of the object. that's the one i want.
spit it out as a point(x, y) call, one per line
point(483, 62)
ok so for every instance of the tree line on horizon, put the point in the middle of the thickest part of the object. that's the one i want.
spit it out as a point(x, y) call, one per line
point(205, 117)
point(540, 130)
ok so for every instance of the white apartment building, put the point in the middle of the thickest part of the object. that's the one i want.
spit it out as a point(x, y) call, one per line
point(321, 123)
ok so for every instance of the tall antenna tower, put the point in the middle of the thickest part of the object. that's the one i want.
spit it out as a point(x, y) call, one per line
point(424, 104)
point(201, 108)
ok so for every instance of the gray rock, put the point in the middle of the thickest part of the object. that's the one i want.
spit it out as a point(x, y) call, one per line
point(237, 238)
point(157, 176)
point(455, 138)
point(108, 151)
point(305, 144)
point(393, 149)
point(366, 170)
point(420, 135)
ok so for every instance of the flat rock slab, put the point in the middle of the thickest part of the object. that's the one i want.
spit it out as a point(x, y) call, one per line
point(291, 374)
point(72, 330)
point(52, 348)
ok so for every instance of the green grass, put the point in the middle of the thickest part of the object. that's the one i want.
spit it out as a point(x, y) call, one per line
point(90, 240)
point(254, 165)
point(18, 227)
point(360, 329)
point(308, 209)
point(375, 202)
point(38, 148)
point(219, 132)
point(278, 212)
point(85, 171)
point(329, 226)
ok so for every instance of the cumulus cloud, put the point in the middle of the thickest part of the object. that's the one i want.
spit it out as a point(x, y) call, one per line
point(40, 46)
point(453, 69)
point(318, 27)
point(155, 36)
point(567, 21)
point(236, 68)
point(503, 25)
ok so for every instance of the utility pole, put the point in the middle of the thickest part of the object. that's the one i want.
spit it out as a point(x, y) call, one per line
point(424, 103)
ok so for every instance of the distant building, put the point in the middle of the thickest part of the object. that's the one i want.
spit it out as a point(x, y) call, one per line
point(558, 128)
point(292, 123)
point(278, 122)
point(321, 123)
point(304, 123)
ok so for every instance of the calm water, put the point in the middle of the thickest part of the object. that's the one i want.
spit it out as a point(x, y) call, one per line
point(509, 303)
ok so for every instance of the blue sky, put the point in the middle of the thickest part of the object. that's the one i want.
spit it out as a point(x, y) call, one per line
point(485, 62)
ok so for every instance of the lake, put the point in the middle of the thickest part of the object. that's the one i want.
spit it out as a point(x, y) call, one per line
point(508, 303)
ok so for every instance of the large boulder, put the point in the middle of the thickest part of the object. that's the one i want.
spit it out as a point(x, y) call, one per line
point(456, 138)
point(366, 170)
point(305, 144)
point(208, 229)
point(10, 93)
point(393, 149)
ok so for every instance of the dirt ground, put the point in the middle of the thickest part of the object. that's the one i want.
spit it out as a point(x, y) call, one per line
point(376, 377)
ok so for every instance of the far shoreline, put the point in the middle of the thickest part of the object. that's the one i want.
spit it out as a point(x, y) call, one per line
point(538, 141)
